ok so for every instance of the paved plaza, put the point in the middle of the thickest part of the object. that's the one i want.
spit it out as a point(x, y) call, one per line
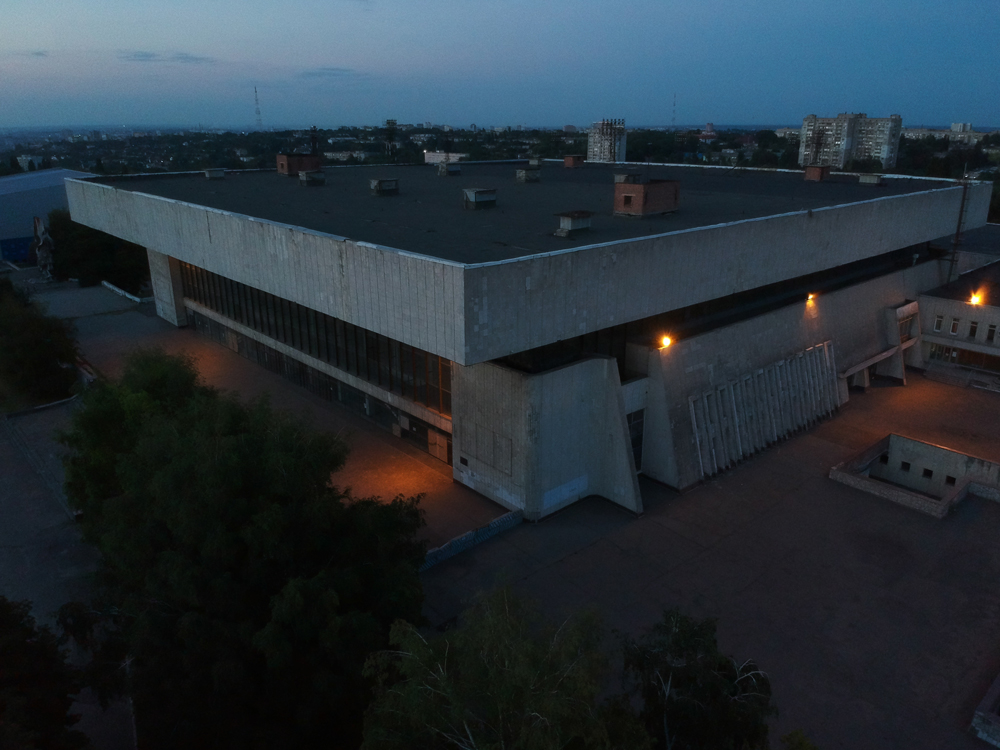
point(879, 626)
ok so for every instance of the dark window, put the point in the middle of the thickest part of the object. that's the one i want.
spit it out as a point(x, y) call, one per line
point(950, 481)
point(991, 334)
point(928, 473)
point(417, 375)
point(905, 465)
point(954, 326)
point(628, 200)
point(463, 460)
point(884, 458)
point(973, 327)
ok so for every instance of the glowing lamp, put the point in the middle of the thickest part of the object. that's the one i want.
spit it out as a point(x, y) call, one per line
point(975, 299)
point(665, 342)
point(810, 297)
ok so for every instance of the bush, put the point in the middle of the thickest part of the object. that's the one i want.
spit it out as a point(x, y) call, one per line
point(247, 589)
point(36, 685)
point(37, 352)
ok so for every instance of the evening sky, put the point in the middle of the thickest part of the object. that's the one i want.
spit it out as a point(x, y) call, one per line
point(495, 62)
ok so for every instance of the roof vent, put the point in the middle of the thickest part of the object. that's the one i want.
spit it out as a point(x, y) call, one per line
point(535, 162)
point(573, 222)
point(386, 186)
point(478, 198)
point(573, 161)
point(312, 179)
point(529, 174)
point(817, 173)
point(291, 164)
point(871, 179)
point(628, 178)
point(216, 173)
point(647, 198)
point(448, 168)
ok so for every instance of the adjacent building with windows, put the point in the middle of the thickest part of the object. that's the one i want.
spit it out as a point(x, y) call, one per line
point(606, 141)
point(837, 141)
point(549, 365)
point(962, 318)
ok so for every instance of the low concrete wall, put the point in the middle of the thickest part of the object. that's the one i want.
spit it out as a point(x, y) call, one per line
point(910, 487)
point(540, 442)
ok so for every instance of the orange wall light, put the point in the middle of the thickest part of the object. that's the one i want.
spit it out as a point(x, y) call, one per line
point(975, 299)
point(665, 342)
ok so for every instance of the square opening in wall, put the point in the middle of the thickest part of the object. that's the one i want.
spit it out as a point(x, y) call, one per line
point(464, 461)
point(904, 465)
point(928, 473)
point(950, 481)
point(884, 458)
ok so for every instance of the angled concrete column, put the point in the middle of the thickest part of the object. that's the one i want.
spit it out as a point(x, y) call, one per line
point(165, 274)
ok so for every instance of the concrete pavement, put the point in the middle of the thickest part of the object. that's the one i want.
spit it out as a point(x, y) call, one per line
point(879, 626)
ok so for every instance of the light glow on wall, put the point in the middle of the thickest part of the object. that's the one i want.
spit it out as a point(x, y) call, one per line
point(976, 298)
point(665, 342)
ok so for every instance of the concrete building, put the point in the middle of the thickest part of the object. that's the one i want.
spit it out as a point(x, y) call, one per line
point(836, 141)
point(606, 141)
point(22, 198)
point(547, 366)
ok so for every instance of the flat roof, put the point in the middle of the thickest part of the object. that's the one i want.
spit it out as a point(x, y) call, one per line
point(42, 178)
point(428, 216)
point(985, 240)
point(984, 281)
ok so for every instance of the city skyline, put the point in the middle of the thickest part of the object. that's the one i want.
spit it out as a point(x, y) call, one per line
point(500, 63)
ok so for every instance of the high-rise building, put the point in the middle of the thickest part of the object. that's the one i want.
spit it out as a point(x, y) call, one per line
point(837, 141)
point(606, 141)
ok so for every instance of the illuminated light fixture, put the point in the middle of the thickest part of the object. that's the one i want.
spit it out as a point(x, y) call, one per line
point(975, 299)
point(665, 342)
point(810, 297)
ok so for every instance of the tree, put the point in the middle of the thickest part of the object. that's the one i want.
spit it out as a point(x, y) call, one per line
point(37, 351)
point(92, 256)
point(36, 685)
point(246, 589)
point(502, 679)
point(692, 696)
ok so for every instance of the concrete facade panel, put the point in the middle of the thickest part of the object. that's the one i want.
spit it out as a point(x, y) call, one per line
point(603, 285)
point(340, 277)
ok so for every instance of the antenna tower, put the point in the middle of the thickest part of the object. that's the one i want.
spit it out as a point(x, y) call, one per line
point(673, 117)
point(256, 103)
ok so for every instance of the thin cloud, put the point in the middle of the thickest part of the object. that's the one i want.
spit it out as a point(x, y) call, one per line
point(37, 53)
point(329, 73)
point(145, 56)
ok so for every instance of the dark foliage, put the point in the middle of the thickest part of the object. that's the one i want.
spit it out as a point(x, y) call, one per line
point(502, 679)
point(247, 590)
point(36, 685)
point(693, 697)
point(37, 352)
point(93, 256)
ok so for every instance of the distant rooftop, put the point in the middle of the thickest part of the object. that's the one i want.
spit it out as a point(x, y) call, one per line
point(428, 216)
point(985, 240)
point(43, 178)
point(984, 281)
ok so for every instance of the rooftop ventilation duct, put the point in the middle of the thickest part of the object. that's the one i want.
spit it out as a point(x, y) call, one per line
point(629, 178)
point(646, 197)
point(312, 179)
point(479, 198)
point(385, 186)
point(573, 222)
point(817, 173)
point(448, 169)
point(215, 174)
point(573, 161)
point(291, 164)
point(871, 179)
point(529, 174)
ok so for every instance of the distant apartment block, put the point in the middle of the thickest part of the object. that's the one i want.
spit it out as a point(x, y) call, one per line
point(837, 141)
point(606, 141)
